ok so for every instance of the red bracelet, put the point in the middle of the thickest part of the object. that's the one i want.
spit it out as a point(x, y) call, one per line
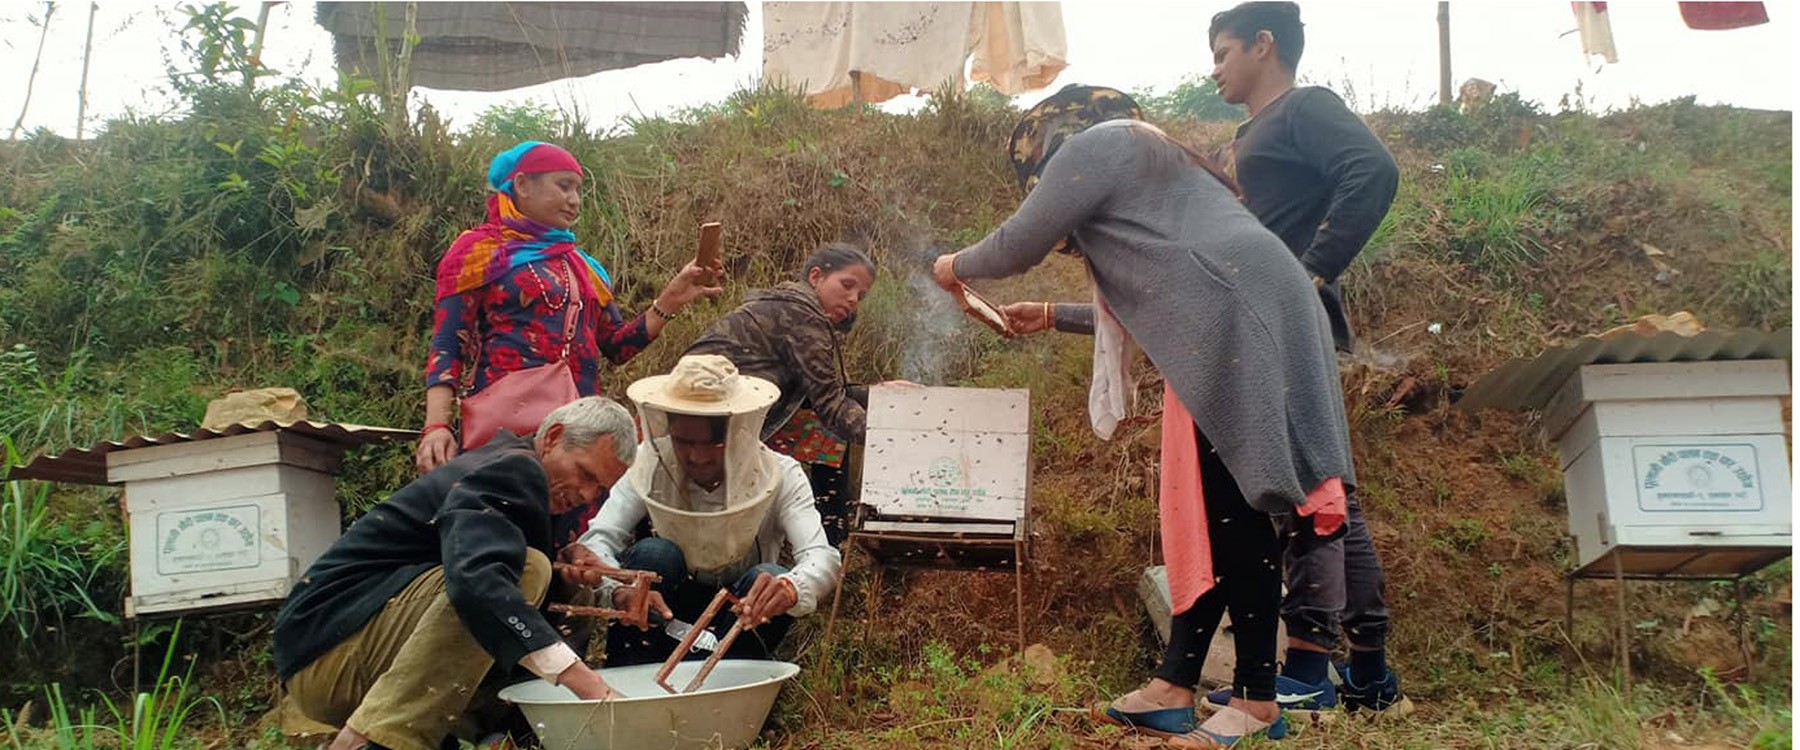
point(433, 426)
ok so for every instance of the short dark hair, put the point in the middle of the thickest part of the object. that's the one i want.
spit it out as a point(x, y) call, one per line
point(1281, 20)
point(835, 256)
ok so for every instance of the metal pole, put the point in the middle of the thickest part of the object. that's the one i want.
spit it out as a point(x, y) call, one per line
point(1019, 592)
point(874, 595)
point(1443, 52)
point(87, 52)
point(1743, 633)
point(1624, 646)
point(1569, 630)
point(137, 656)
point(837, 595)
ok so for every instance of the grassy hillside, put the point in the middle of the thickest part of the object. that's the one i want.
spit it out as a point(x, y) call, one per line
point(288, 237)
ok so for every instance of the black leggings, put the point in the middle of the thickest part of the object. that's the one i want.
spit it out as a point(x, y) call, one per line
point(1246, 554)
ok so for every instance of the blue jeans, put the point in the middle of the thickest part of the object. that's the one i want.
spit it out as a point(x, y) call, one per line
point(627, 645)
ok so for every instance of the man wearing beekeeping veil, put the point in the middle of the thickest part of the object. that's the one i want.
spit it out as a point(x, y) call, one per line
point(722, 507)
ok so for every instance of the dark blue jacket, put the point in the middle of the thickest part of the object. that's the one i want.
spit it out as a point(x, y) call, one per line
point(475, 515)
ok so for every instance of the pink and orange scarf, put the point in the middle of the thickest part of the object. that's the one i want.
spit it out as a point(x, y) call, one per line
point(508, 240)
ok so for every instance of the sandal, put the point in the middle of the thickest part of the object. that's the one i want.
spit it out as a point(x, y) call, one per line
point(1227, 727)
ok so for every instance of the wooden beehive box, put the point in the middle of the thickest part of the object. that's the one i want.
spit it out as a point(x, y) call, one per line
point(225, 522)
point(1678, 469)
point(957, 457)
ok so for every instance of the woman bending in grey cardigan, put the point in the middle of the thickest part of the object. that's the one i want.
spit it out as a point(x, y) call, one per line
point(1256, 449)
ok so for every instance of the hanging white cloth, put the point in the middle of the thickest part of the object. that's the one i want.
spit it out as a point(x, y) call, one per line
point(1019, 48)
point(896, 48)
point(1111, 387)
point(1595, 26)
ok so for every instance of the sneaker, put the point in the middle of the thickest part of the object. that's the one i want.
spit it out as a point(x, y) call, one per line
point(1303, 700)
point(1381, 698)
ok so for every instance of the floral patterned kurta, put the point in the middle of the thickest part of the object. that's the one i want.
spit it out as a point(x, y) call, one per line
point(517, 323)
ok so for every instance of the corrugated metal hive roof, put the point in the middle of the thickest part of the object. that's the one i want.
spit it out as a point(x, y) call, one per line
point(1530, 383)
point(88, 465)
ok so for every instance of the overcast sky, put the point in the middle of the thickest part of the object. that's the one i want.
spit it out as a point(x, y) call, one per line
point(1379, 54)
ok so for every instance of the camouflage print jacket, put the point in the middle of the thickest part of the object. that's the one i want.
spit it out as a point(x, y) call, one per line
point(783, 335)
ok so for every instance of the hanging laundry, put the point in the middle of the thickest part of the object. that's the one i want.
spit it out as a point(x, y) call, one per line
point(1595, 26)
point(1722, 16)
point(895, 48)
point(1020, 48)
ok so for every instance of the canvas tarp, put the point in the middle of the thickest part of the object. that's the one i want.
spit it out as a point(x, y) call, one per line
point(466, 46)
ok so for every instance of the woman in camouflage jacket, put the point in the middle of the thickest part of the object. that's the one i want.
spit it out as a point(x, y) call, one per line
point(789, 335)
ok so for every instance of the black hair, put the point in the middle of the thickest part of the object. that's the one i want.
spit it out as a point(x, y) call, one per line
point(1281, 20)
point(835, 256)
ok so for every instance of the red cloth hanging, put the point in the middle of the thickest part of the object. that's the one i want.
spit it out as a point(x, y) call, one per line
point(1722, 16)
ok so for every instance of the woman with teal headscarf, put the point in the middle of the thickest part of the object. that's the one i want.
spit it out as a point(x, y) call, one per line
point(510, 289)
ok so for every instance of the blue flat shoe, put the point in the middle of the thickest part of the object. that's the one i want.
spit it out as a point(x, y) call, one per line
point(1162, 722)
point(1227, 728)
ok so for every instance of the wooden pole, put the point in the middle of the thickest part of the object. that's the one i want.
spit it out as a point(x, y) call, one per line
point(403, 69)
point(87, 52)
point(256, 43)
point(49, 10)
point(396, 77)
point(1443, 52)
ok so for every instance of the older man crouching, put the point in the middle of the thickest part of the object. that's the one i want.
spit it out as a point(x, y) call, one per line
point(389, 632)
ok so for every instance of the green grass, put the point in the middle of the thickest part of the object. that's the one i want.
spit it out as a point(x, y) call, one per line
point(944, 699)
point(1760, 288)
point(288, 236)
point(163, 719)
point(51, 569)
point(1493, 210)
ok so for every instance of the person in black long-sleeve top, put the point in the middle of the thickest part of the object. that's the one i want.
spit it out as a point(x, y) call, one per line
point(1308, 167)
point(1314, 174)
point(389, 632)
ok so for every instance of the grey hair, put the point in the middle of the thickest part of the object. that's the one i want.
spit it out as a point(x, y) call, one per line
point(587, 419)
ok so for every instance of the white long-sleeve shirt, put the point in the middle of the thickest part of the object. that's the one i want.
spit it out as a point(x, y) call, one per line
point(792, 521)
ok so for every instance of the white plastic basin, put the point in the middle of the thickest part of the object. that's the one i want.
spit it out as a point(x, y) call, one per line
point(724, 714)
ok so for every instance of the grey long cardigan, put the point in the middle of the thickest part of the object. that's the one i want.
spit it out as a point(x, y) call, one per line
point(1216, 301)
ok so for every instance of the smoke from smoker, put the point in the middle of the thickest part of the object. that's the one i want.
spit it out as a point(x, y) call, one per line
point(931, 341)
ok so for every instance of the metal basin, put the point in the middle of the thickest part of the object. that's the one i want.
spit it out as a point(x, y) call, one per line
point(724, 714)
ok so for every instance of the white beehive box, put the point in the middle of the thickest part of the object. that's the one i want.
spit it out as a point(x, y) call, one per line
point(949, 454)
point(1676, 468)
point(221, 517)
point(225, 522)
